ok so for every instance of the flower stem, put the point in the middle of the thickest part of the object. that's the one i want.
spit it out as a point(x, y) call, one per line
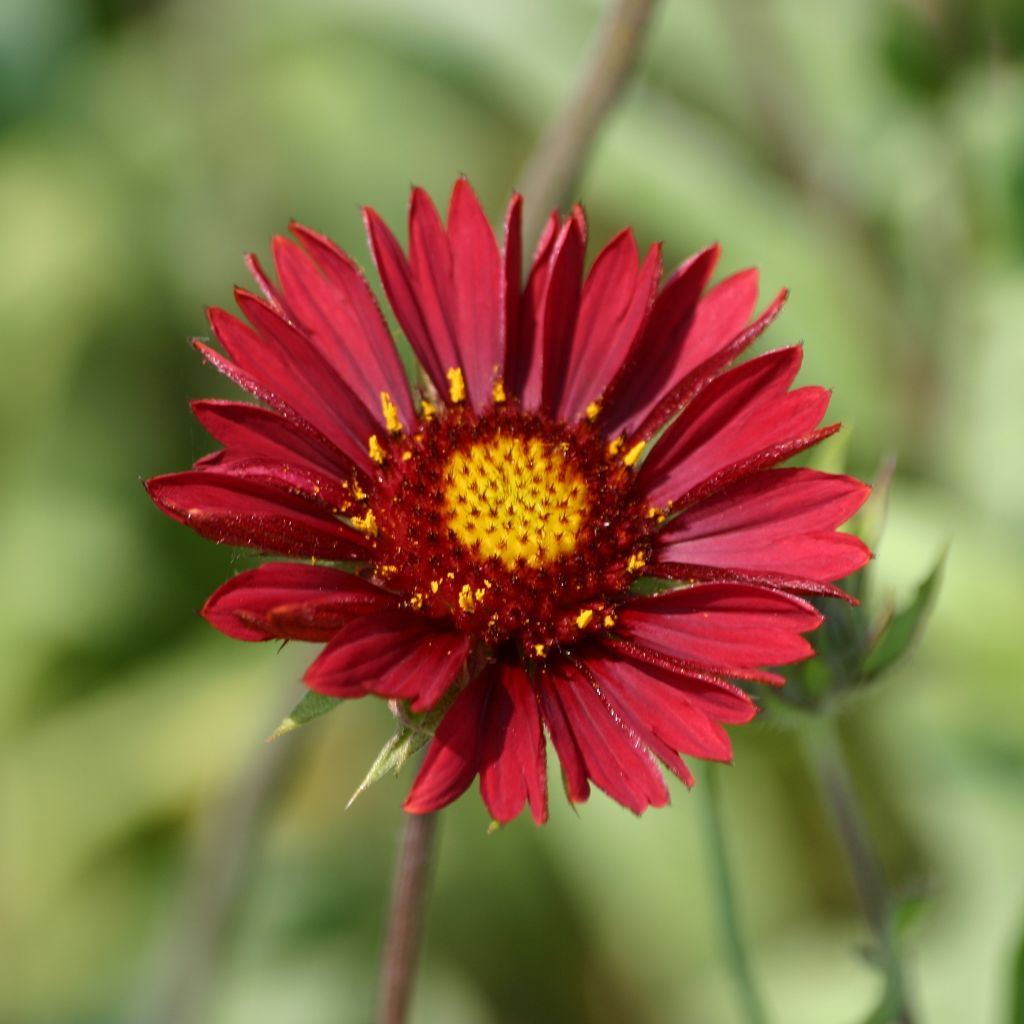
point(550, 174)
point(829, 763)
point(736, 951)
point(405, 920)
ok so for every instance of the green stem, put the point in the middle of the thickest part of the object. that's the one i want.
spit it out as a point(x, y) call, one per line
point(732, 936)
point(829, 763)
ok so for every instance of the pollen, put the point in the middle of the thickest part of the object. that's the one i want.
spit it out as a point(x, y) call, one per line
point(366, 524)
point(376, 451)
point(428, 410)
point(634, 453)
point(498, 392)
point(390, 411)
point(593, 410)
point(516, 499)
point(456, 385)
point(636, 561)
point(584, 618)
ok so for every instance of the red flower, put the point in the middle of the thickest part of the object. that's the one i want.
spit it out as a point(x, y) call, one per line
point(570, 438)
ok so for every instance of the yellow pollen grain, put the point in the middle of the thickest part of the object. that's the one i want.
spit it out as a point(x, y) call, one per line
point(376, 451)
point(456, 385)
point(609, 621)
point(366, 524)
point(516, 499)
point(636, 562)
point(435, 586)
point(616, 446)
point(416, 601)
point(406, 456)
point(498, 392)
point(584, 618)
point(540, 650)
point(466, 600)
point(427, 409)
point(390, 411)
point(592, 410)
point(634, 453)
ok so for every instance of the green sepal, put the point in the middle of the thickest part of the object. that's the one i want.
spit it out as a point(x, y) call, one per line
point(313, 705)
point(898, 634)
point(412, 734)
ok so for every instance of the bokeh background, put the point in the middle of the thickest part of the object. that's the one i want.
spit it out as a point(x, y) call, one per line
point(159, 862)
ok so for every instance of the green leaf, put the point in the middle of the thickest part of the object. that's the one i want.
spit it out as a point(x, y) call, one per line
point(900, 632)
point(312, 705)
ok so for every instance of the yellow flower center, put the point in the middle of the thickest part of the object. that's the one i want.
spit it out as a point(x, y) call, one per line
point(515, 498)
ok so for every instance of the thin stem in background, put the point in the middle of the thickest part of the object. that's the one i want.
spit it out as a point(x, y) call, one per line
point(405, 920)
point(725, 900)
point(550, 173)
point(829, 764)
point(214, 884)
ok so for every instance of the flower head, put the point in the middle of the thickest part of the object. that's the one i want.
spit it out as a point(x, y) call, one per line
point(500, 528)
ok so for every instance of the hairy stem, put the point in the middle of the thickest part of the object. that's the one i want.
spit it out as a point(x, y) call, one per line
point(829, 763)
point(732, 935)
point(405, 920)
point(550, 173)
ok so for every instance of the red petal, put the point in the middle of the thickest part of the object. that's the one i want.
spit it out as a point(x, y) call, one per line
point(616, 301)
point(732, 625)
point(396, 277)
point(698, 378)
point(333, 303)
point(512, 272)
point(614, 755)
point(523, 355)
point(475, 308)
point(775, 521)
point(512, 767)
point(294, 476)
point(392, 654)
point(245, 513)
point(744, 412)
point(558, 311)
point(655, 698)
point(295, 602)
point(258, 389)
point(453, 757)
point(285, 363)
point(574, 770)
point(313, 379)
point(254, 429)
point(651, 367)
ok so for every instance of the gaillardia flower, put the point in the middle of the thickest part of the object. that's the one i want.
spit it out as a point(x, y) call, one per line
point(573, 521)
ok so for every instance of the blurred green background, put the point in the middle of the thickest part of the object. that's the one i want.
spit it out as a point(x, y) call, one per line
point(869, 154)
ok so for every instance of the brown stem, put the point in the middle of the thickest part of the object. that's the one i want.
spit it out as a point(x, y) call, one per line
point(550, 174)
point(405, 921)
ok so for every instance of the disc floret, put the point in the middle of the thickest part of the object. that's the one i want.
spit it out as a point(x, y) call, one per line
point(517, 527)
